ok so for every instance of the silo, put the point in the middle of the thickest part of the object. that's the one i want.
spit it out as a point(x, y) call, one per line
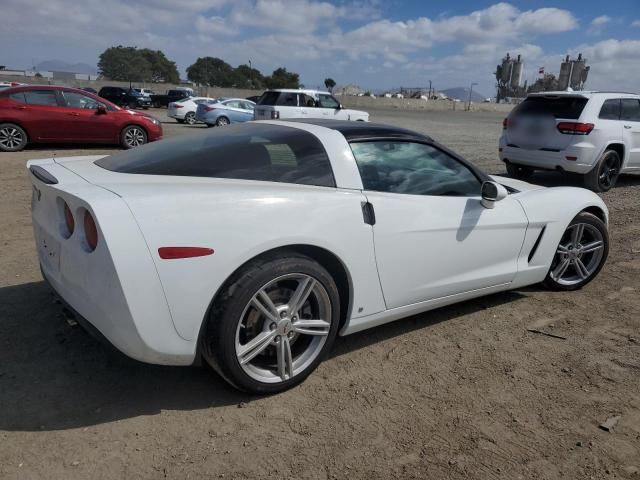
point(576, 74)
point(516, 74)
point(565, 73)
point(506, 69)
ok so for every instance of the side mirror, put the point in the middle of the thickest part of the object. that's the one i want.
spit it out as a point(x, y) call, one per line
point(340, 107)
point(492, 192)
point(101, 110)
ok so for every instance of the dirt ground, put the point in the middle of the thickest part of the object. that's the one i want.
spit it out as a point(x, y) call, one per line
point(464, 392)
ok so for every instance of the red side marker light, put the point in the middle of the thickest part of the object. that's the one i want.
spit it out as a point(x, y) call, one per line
point(172, 253)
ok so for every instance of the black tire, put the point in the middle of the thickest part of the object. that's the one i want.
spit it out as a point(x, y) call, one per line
point(519, 171)
point(133, 130)
point(13, 138)
point(180, 120)
point(605, 174)
point(581, 218)
point(190, 118)
point(218, 340)
point(222, 121)
point(210, 125)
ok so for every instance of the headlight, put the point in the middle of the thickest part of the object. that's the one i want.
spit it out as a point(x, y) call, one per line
point(154, 121)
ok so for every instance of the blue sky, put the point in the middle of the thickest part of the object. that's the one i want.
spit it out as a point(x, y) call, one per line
point(372, 43)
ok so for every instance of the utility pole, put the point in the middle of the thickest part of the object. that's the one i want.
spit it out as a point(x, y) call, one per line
point(429, 89)
point(470, 92)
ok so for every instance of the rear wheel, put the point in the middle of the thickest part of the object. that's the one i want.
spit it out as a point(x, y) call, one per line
point(133, 136)
point(222, 121)
point(273, 324)
point(190, 118)
point(518, 171)
point(12, 137)
point(580, 255)
point(605, 174)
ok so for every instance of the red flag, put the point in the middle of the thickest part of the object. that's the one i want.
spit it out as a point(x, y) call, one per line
point(541, 71)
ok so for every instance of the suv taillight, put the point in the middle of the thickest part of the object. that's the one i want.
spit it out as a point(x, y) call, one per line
point(90, 231)
point(575, 128)
point(275, 115)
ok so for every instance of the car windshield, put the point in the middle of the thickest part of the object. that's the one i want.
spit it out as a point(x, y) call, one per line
point(263, 152)
point(559, 106)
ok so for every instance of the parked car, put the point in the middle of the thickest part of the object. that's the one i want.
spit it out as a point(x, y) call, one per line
point(125, 97)
point(51, 114)
point(225, 111)
point(286, 103)
point(184, 111)
point(258, 243)
point(595, 134)
point(163, 100)
point(145, 92)
point(4, 85)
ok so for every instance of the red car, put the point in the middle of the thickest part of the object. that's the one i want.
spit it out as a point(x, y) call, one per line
point(48, 114)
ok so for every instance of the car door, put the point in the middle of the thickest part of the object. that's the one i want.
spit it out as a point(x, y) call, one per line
point(287, 105)
point(630, 116)
point(329, 107)
point(83, 122)
point(308, 107)
point(433, 238)
point(247, 110)
point(233, 111)
point(42, 112)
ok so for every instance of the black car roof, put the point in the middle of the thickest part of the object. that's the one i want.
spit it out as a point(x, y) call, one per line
point(363, 130)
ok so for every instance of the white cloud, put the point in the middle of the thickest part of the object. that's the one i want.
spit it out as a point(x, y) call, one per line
point(635, 23)
point(601, 20)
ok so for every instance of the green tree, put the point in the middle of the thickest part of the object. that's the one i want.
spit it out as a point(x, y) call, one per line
point(211, 71)
point(247, 77)
point(162, 69)
point(548, 83)
point(281, 78)
point(124, 64)
point(329, 83)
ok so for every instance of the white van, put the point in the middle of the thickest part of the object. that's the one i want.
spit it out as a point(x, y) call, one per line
point(289, 103)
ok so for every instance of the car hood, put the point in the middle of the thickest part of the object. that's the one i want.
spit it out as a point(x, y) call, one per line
point(515, 184)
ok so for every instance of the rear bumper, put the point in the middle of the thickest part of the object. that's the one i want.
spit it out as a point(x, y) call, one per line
point(585, 157)
point(175, 114)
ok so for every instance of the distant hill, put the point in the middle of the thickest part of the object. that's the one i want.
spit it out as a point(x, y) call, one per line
point(462, 93)
point(60, 66)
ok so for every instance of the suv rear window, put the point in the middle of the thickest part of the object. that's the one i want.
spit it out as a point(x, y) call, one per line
point(284, 99)
point(560, 107)
point(271, 153)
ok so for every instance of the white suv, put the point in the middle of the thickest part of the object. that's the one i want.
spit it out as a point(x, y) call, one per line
point(595, 134)
point(283, 104)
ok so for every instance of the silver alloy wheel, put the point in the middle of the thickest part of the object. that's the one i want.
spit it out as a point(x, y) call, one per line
point(134, 137)
point(10, 137)
point(578, 255)
point(222, 121)
point(283, 328)
point(190, 118)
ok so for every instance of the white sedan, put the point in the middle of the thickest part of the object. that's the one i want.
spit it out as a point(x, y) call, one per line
point(184, 111)
point(253, 246)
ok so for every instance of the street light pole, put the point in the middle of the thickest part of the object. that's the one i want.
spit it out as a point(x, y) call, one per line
point(470, 92)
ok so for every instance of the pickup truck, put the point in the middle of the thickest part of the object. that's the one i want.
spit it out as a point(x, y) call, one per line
point(163, 100)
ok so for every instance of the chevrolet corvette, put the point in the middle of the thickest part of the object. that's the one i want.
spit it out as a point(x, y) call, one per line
point(252, 247)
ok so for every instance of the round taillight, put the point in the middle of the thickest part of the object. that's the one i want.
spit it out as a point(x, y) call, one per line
point(90, 231)
point(68, 220)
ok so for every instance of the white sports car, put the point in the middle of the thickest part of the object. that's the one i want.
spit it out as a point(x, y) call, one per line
point(253, 246)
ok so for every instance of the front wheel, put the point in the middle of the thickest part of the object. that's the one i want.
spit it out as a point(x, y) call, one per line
point(133, 136)
point(273, 324)
point(13, 138)
point(582, 252)
point(605, 173)
point(518, 171)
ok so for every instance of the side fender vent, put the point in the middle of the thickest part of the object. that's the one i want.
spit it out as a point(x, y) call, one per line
point(535, 245)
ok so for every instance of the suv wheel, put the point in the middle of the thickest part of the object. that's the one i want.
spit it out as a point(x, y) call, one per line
point(605, 173)
point(518, 171)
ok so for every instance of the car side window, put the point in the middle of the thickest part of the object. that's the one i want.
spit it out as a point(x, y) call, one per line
point(327, 101)
point(306, 100)
point(630, 109)
point(413, 168)
point(287, 99)
point(232, 104)
point(76, 100)
point(610, 109)
point(246, 106)
point(41, 97)
point(18, 97)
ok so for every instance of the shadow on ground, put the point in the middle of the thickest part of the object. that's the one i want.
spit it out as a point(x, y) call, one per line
point(54, 376)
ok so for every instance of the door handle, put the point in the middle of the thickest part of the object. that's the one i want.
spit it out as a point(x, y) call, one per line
point(627, 126)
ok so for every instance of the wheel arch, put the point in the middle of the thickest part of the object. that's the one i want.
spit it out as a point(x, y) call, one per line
point(619, 148)
point(329, 260)
point(598, 212)
point(19, 124)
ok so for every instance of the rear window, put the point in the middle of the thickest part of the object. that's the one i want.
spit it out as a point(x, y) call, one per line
point(284, 99)
point(560, 107)
point(270, 153)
